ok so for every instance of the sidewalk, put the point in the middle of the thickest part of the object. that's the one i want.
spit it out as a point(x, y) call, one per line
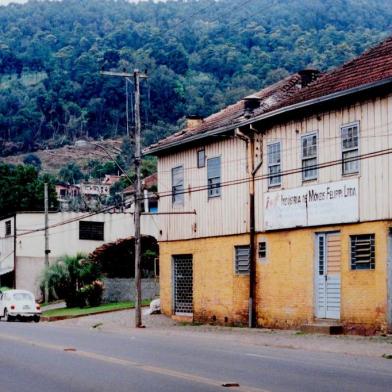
point(159, 325)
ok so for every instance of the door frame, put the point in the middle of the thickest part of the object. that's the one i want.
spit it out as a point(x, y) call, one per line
point(316, 272)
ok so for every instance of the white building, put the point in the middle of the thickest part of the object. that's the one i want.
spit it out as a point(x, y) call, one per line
point(22, 251)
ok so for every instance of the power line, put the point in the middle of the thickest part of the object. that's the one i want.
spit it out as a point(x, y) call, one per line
point(282, 173)
point(6, 257)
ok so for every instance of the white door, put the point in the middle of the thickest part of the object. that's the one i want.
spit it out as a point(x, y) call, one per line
point(328, 275)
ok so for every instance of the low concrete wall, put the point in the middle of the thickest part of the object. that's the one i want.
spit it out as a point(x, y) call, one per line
point(120, 289)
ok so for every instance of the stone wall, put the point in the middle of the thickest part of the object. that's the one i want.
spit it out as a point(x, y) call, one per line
point(121, 289)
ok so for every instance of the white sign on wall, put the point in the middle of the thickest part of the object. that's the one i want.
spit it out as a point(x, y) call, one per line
point(334, 202)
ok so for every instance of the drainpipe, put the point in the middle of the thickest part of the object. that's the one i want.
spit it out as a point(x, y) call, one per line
point(250, 147)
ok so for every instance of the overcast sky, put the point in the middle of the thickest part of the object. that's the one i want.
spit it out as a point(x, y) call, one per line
point(5, 2)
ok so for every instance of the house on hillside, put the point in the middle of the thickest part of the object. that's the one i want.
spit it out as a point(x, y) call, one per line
point(150, 199)
point(65, 194)
point(291, 191)
point(22, 240)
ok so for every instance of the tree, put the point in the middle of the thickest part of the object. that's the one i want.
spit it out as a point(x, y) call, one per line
point(71, 173)
point(22, 189)
point(33, 160)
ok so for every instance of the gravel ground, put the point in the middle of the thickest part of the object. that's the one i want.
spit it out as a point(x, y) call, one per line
point(122, 322)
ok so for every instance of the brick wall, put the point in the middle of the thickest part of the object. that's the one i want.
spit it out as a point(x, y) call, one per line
point(219, 294)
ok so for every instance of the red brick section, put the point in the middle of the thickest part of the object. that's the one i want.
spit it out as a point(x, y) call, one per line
point(372, 66)
point(233, 114)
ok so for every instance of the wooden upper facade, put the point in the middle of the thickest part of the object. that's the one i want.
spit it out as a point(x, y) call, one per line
point(311, 162)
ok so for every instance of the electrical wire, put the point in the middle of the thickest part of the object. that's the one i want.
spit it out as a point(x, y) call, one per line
point(245, 180)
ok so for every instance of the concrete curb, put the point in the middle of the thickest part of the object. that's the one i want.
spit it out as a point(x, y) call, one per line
point(59, 318)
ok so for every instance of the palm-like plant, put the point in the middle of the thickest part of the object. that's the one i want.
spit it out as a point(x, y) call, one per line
point(68, 275)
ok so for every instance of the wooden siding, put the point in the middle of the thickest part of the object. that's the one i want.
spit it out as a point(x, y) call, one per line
point(227, 214)
point(375, 182)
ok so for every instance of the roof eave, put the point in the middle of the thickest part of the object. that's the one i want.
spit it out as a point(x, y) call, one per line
point(268, 115)
point(316, 101)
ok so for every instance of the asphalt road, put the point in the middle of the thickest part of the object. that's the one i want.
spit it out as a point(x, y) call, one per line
point(48, 357)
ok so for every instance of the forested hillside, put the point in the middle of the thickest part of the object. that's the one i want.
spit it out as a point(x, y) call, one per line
point(200, 56)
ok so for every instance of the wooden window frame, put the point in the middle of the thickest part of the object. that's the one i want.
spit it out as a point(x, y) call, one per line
point(350, 149)
point(177, 189)
point(199, 152)
point(214, 182)
point(273, 164)
point(305, 159)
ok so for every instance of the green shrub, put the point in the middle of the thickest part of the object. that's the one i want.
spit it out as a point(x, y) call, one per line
point(69, 278)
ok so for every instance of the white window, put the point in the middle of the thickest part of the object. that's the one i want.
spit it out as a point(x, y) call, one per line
point(309, 157)
point(350, 149)
point(214, 177)
point(274, 168)
point(178, 185)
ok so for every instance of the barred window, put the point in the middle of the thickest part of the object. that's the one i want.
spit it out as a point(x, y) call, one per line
point(89, 230)
point(178, 185)
point(262, 250)
point(350, 149)
point(363, 252)
point(242, 259)
point(214, 177)
point(309, 157)
point(274, 161)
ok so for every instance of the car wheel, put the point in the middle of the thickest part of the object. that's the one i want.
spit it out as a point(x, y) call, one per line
point(36, 319)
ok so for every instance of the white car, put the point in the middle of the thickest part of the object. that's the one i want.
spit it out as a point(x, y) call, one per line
point(19, 304)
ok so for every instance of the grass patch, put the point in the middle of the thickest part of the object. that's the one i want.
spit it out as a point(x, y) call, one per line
point(89, 310)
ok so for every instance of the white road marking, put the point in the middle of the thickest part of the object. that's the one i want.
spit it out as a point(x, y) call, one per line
point(128, 363)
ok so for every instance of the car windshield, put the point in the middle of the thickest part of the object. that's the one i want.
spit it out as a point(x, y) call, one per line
point(23, 297)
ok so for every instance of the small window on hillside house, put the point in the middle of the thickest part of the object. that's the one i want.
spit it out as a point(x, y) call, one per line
point(242, 259)
point(262, 250)
point(178, 185)
point(214, 177)
point(363, 252)
point(350, 149)
point(7, 227)
point(89, 230)
point(201, 157)
point(273, 152)
point(309, 157)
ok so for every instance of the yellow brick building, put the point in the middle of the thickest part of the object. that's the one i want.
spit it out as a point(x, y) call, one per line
point(276, 211)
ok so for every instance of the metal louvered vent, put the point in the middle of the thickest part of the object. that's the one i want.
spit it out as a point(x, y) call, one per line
point(242, 259)
point(183, 284)
point(363, 251)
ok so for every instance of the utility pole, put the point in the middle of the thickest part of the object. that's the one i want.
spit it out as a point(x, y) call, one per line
point(47, 251)
point(137, 76)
